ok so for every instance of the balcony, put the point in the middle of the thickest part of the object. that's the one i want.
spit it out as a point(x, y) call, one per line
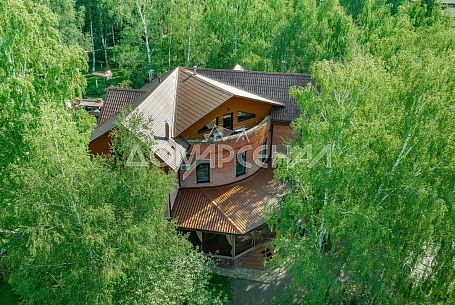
point(220, 134)
point(221, 151)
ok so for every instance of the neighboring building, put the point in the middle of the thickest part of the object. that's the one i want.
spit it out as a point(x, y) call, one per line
point(233, 116)
point(92, 106)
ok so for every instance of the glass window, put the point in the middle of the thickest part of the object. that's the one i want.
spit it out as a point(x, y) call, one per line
point(243, 116)
point(203, 172)
point(240, 164)
point(209, 126)
point(227, 121)
point(263, 153)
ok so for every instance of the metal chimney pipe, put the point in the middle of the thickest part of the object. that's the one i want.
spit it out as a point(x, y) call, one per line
point(166, 129)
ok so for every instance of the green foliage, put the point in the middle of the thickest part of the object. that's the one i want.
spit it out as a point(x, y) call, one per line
point(267, 35)
point(35, 69)
point(7, 295)
point(377, 225)
point(86, 231)
point(77, 229)
point(223, 284)
point(70, 20)
point(316, 30)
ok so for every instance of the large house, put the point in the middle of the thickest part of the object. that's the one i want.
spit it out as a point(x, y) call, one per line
point(217, 129)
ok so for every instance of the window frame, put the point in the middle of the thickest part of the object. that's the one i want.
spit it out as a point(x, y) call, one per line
point(231, 115)
point(200, 163)
point(263, 151)
point(249, 116)
point(243, 155)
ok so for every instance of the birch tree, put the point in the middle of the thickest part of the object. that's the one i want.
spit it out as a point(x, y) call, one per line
point(35, 68)
point(377, 225)
point(82, 230)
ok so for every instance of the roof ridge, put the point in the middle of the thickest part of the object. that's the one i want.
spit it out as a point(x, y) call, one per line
point(253, 72)
point(177, 83)
point(221, 211)
point(201, 77)
point(210, 84)
point(126, 89)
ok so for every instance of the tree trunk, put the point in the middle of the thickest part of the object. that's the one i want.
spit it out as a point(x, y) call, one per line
point(169, 51)
point(190, 30)
point(113, 35)
point(144, 24)
point(103, 41)
point(93, 46)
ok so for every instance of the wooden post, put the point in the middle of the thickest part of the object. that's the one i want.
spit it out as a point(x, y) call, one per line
point(233, 248)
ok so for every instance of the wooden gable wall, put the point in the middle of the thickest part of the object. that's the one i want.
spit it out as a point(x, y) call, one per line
point(233, 105)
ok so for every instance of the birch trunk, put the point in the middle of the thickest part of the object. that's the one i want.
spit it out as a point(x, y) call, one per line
point(144, 24)
point(93, 46)
point(190, 30)
point(169, 51)
point(104, 42)
point(113, 35)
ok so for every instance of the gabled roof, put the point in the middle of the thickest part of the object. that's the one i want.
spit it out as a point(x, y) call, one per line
point(159, 107)
point(182, 97)
point(271, 85)
point(236, 208)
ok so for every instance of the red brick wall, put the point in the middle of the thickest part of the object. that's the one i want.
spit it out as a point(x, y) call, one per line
point(281, 133)
point(224, 173)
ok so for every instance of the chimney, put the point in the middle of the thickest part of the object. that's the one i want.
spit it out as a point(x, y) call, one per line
point(194, 69)
point(166, 129)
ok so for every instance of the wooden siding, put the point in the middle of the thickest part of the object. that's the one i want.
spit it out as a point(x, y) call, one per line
point(195, 97)
point(234, 105)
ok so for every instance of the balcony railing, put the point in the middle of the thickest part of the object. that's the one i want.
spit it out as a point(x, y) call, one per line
point(218, 133)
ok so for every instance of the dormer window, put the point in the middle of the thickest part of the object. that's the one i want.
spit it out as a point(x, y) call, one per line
point(243, 116)
point(209, 126)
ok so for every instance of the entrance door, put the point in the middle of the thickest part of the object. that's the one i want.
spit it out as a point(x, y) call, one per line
point(228, 121)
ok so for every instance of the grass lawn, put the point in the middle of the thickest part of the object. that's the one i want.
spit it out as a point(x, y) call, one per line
point(7, 296)
point(94, 91)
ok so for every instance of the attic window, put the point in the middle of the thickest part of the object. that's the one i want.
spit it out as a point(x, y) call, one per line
point(209, 126)
point(243, 116)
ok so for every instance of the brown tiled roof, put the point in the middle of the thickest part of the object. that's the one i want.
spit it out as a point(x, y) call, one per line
point(232, 209)
point(271, 85)
point(116, 100)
